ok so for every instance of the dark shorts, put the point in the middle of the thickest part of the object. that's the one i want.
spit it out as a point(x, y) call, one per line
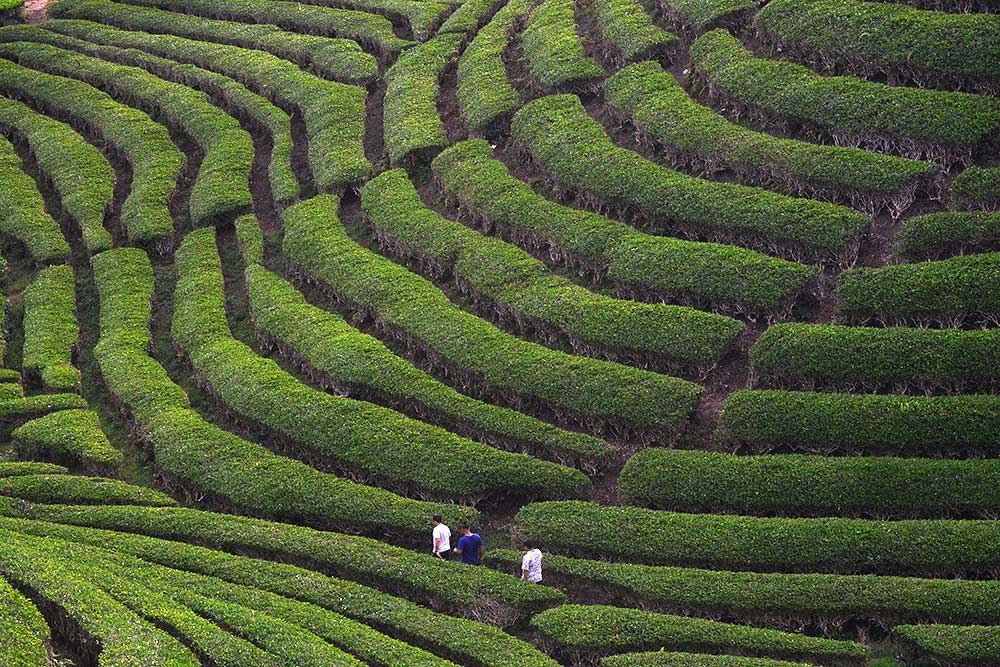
point(446, 555)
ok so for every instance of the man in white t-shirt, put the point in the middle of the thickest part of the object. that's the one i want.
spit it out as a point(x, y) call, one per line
point(442, 538)
point(531, 564)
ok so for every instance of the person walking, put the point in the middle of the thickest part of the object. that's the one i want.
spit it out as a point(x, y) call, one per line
point(531, 563)
point(442, 538)
point(470, 546)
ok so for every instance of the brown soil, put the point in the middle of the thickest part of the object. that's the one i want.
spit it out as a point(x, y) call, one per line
point(34, 10)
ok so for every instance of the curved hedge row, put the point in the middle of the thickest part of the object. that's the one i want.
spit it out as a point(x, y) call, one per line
point(22, 209)
point(878, 36)
point(50, 328)
point(568, 143)
point(411, 122)
point(194, 451)
point(372, 438)
point(853, 109)
point(792, 484)
point(629, 29)
point(799, 353)
point(11, 468)
point(422, 16)
point(316, 241)
point(703, 272)
point(367, 29)
point(698, 15)
point(979, 186)
point(339, 59)
point(265, 116)
point(554, 50)
point(948, 290)
point(759, 543)
point(440, 583)
point(155, 161)
point(948, 644)
point(601, 629)
point(18, 408)
point(674, 659)
point(655, 102)
point(222, 186)
point(80, 174)
point(513, 281)
point(26, 634)
point(830, 600)
point(485, 95)
point(61, 488)
point(949, 232)
point(342, 355)
point(280, 589)
point(467, 17)
point(74, 434)
point(870, 423)
point(333, 113)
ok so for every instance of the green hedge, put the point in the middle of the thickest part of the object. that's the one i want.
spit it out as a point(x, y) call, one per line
point(250, 239)
point(554, 50)
point(329, 345)
point(367, 29)
point(485, 95)
point(152, 156)
point(333, 113)
point(805, 353)
point(978, 185)
point(843, 105)
point(222, 186)
point(68, 433)
point(443, 584)
point(936, 233)
point(568, 143)
point(467, 16)
point(22, 209)
point(125, 639)
point(949, 644)
point(879, 36)
point(51, 329)
point(792, 484)
point(870, 423)
point(655, 102)
point(757, 543)
point(704, 272)
point(26, 634)
point(469, 641)
point(11, 468)
point(627, 26)
point(674, 659)
point(316, 241)
point(260, 112)
point(602, 629)
point(698, 15)
point(194, 451)
point(374, 439)
point(60, 488)
point(829, 600)
point(422, 16)
point(411, 122)
point(80, 174)
point(521, 284)
point(949, 289)
point(17, 410)
point(338, 59)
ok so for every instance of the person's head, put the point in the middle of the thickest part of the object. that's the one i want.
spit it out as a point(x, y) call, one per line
point(466, 530)
point(437, 520)
point(528, 545)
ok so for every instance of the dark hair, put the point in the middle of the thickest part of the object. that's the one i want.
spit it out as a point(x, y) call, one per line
point(437, 517)
point(529, 544)
point(464, 526)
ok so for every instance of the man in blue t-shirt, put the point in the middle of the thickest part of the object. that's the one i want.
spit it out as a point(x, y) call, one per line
point(470, 546)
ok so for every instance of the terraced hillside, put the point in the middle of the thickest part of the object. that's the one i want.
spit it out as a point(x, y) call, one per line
point(702, 297)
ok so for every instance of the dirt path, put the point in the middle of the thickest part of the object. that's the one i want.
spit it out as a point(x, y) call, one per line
point(34, 10)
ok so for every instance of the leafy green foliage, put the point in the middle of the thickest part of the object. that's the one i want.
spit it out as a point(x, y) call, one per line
point(674, 659)
point(26, 634)
point(949, 644)
point(22, 210)
point(949, 232)
point(467, 16)
point(842, 104)
point(740, 542)
point(568, 143)
point(11, 468)
point(315, 240)
point(60, 488)
point(978, 185)
point(697, 15)
point(606, 629)
point(626, 25)
point(705, 272)
point(872, 423)
point(50, 328)
point(554, 50)
point(69, 433)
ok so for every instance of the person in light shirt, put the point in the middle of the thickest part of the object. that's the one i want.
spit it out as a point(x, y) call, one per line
point(531, 563)
point(442, 538)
